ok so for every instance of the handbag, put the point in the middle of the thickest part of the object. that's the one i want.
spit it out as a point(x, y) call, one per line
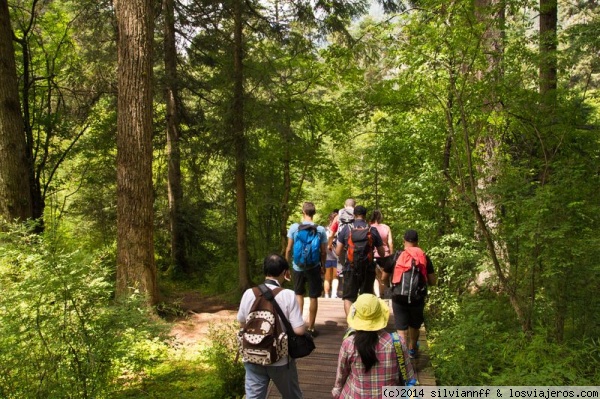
point(298, 345)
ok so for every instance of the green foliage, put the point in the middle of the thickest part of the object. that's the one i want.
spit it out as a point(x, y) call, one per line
point(470, 350)
point(60, 334)
point(208, 371)
point(87, 204)
point(222, 357)
point(483, 346)
point(175, 377)
point(220, 279)
point(541, 178)
point(457, 261)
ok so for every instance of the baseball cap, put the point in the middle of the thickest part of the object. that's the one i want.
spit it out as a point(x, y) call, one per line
point(411, 236)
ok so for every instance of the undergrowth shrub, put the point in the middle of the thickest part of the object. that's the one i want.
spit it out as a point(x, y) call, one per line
point(540, 361)
point(484, 345)
point(468, 351)
point(61, 335)
point(456, 260)
point(222, 278)
point(221, 356)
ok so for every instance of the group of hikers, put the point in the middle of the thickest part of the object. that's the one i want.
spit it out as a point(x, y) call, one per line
point(358, 254)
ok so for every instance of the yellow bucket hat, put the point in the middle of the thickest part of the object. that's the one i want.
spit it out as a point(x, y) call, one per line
point(368, 313)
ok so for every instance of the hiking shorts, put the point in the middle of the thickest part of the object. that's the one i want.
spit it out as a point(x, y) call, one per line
point(408, 315)
point(314, 280)
point(355, 285)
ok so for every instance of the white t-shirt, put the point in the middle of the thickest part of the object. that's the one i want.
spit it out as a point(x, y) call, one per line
point(286, 299)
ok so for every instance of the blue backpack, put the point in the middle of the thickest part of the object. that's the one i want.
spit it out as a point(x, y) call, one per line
point(307, 246)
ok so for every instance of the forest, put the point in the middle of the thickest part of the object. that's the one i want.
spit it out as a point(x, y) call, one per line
point(149, 147)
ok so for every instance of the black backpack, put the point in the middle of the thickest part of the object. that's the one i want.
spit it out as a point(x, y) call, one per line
point(411, 285)
point(360, 250)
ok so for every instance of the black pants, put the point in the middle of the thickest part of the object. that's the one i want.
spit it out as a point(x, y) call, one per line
point(358, 283)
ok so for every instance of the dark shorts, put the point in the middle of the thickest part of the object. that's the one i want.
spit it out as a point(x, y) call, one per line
point(408, 315)
point(330, 263)
point(310, 276)
point(355, 285)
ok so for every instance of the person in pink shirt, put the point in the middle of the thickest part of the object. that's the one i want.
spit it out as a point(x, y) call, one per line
point(388, 245)
point(331, 282)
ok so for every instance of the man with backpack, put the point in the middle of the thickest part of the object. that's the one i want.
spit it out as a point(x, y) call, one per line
point(359, 241)
point(256, 313)
point(411, 273)
point(307, 246)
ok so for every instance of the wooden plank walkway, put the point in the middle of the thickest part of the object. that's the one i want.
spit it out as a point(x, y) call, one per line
point(317, 371)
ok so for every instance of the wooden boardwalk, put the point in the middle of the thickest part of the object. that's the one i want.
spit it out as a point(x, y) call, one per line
point(317, 371)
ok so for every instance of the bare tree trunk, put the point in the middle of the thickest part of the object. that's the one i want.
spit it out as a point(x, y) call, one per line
point(548, 46)
point(15, 195)
point(547, 86)
point(285, 205)
point(287, 185)
point(239, 140)
point(493, 14)
point(175, 191)
point(135, 218)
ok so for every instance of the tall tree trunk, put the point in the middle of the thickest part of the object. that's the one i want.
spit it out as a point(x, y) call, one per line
point(286, 132)
point(548, 47)
point(35, 186)
point(135, 218)
point(15, 195)
point(239, 139)
point(175, 191)
point(492, 13)
point(548, 37)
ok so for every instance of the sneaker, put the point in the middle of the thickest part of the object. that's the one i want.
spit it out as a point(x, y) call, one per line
point(312, 332)
point(412, 353)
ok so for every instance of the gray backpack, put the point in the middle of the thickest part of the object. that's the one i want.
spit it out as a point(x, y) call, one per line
point(345, 216)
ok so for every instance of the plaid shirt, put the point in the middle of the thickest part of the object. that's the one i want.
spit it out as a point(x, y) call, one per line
point(352, 381)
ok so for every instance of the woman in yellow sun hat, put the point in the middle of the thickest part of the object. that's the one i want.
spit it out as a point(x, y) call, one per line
point(367, 361)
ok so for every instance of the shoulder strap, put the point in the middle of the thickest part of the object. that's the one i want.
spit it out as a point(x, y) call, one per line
point(268, 294)
point(400, 358)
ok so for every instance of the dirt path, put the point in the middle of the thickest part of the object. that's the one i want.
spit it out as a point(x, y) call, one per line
point(200, 312)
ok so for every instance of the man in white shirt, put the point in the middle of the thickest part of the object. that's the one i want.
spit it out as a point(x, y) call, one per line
point(283, 372)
